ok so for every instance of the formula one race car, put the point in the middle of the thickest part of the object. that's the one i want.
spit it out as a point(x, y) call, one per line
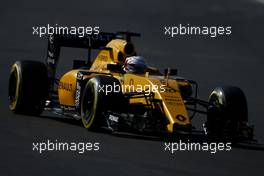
point(104, 96)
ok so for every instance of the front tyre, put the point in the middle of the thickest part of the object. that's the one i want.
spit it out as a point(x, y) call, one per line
point(96, 99)
point(28, 87)
point(227, 113)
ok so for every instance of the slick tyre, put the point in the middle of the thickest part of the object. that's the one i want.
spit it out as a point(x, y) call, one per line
point(226, 112)
point(95, 100)
point(28, 87)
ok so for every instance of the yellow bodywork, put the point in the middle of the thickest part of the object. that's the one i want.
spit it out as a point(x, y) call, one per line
point(168, 92)
point(67, 88)
point(168, 89)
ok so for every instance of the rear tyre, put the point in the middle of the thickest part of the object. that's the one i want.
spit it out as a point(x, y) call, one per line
point(28, 87)
point(227, 112)
point(97, 99)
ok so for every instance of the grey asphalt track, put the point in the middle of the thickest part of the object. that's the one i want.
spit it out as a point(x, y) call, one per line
point(236, 60)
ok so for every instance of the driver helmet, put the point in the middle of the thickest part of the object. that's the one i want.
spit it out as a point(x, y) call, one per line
point(135, 64)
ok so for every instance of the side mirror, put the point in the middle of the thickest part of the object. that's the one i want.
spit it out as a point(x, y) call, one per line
point(79, 63)
point(114, 67)
point(170, 71)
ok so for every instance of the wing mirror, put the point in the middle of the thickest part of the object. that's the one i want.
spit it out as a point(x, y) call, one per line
point(170, 71)
point(80, 63)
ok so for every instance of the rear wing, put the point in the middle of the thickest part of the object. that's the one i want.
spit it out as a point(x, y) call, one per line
point(93, 41)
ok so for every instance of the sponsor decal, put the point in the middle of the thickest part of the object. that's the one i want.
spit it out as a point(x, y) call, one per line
point(101, 37)
point(180, 118)
point(78, 95)
point(65, 86)
point(79, 76)
point(113, 118)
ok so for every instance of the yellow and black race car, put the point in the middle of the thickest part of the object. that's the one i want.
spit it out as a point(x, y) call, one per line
point(103, 95)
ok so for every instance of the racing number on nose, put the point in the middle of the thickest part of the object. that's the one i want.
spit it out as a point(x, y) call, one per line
point(131, 82)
